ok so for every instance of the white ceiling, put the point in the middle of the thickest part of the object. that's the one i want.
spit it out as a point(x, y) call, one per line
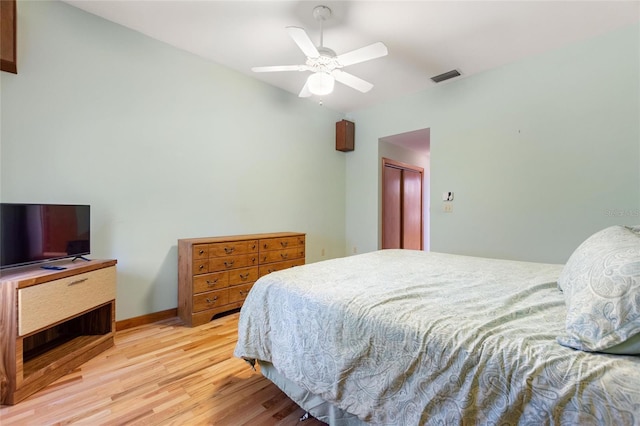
point(424, 38)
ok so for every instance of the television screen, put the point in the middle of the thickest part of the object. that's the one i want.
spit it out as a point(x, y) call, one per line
point(31, 233)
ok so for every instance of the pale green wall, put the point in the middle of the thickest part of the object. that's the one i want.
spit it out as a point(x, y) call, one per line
point(166, 145)
point(163, 145)
point(539, 153)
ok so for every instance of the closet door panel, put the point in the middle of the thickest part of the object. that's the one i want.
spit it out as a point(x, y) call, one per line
point(411, 210)
point(392, 208)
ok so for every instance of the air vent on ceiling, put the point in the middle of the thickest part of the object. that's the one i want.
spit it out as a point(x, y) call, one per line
point(445, 76)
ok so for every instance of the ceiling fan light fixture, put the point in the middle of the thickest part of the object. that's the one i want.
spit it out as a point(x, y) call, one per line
point(325, 65)
point(320, 83)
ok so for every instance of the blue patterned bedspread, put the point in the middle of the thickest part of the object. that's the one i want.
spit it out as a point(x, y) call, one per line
point(400, 337)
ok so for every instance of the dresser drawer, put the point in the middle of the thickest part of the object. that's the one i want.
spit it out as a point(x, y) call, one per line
point(210, 282)
point(212, 299)
point(200, 251)
point(239, 293)
point(281, 255)
point(243, 276)
point(272, 267)
point(42, 305)
point(200, 266)
point(232, 262)
point(233, 248)
point(281, 243)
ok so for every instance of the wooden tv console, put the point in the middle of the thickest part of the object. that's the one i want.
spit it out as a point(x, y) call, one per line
point(51, 321)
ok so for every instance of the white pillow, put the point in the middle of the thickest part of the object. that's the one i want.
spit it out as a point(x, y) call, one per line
point(601, 287)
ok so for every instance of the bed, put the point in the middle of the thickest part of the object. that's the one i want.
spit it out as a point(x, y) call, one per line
point(402, 337)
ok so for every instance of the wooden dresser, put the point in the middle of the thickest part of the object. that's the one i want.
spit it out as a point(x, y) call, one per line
point(215, 274)
point(53, 321)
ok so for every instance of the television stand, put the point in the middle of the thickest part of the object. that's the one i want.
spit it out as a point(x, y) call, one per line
point(81, 257)
point(52, 321)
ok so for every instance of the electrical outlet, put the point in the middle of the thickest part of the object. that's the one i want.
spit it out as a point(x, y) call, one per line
point(355, 249)
point(448, 207)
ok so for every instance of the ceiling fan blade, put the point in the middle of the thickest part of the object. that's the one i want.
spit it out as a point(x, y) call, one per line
point(305, 92)
point(366, 53)
point(352, 81)
point(300, 36)
point(279, 68)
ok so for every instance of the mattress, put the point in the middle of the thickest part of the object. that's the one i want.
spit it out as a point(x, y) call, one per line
point(401, 337)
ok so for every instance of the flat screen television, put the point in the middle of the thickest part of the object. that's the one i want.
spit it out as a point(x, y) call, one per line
point(34, 233)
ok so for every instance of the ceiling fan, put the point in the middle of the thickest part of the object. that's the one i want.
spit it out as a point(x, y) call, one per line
point(323, 62)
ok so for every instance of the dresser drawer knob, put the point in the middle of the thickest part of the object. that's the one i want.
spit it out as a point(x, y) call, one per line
point(229, 264)
point(211, 283)
point(284, 255)
point(212, 300)
point(284, 243)
point(201, 251)
point(244, 276)
point(77, 281)
point(201, 267)
point(243, 292)
point(229, 250)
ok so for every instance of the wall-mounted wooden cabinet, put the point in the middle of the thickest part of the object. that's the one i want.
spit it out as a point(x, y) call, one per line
point(345, 135)
point(8, 36)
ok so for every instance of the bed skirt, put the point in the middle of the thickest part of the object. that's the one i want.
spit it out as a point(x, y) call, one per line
point(311, 403)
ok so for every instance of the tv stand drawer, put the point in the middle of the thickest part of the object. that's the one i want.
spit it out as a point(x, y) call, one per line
point(42, 305)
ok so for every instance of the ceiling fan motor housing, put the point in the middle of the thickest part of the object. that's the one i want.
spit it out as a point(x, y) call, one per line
point(321, 13)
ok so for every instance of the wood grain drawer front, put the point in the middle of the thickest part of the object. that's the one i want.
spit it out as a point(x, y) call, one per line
point(42, 305)
point(233, 248)
point(212, 299)
point(272, 267)
point(281, 255)
point(232, 262)
point(200, 251)
point(209, 282)
point(200, 266)
point(239, 293)
point(243, 276)
point(281, 243)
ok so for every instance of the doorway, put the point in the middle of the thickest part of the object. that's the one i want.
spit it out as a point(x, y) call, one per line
point(402, 201)
point(411, 149)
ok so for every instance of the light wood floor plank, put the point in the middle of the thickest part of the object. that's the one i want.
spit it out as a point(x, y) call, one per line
point(162, 374)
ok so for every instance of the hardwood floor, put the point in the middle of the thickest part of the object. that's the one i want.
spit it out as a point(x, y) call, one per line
point(162, 374)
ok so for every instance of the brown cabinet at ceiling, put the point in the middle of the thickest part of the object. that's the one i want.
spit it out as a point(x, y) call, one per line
point(345, 135)
point(8, 36)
